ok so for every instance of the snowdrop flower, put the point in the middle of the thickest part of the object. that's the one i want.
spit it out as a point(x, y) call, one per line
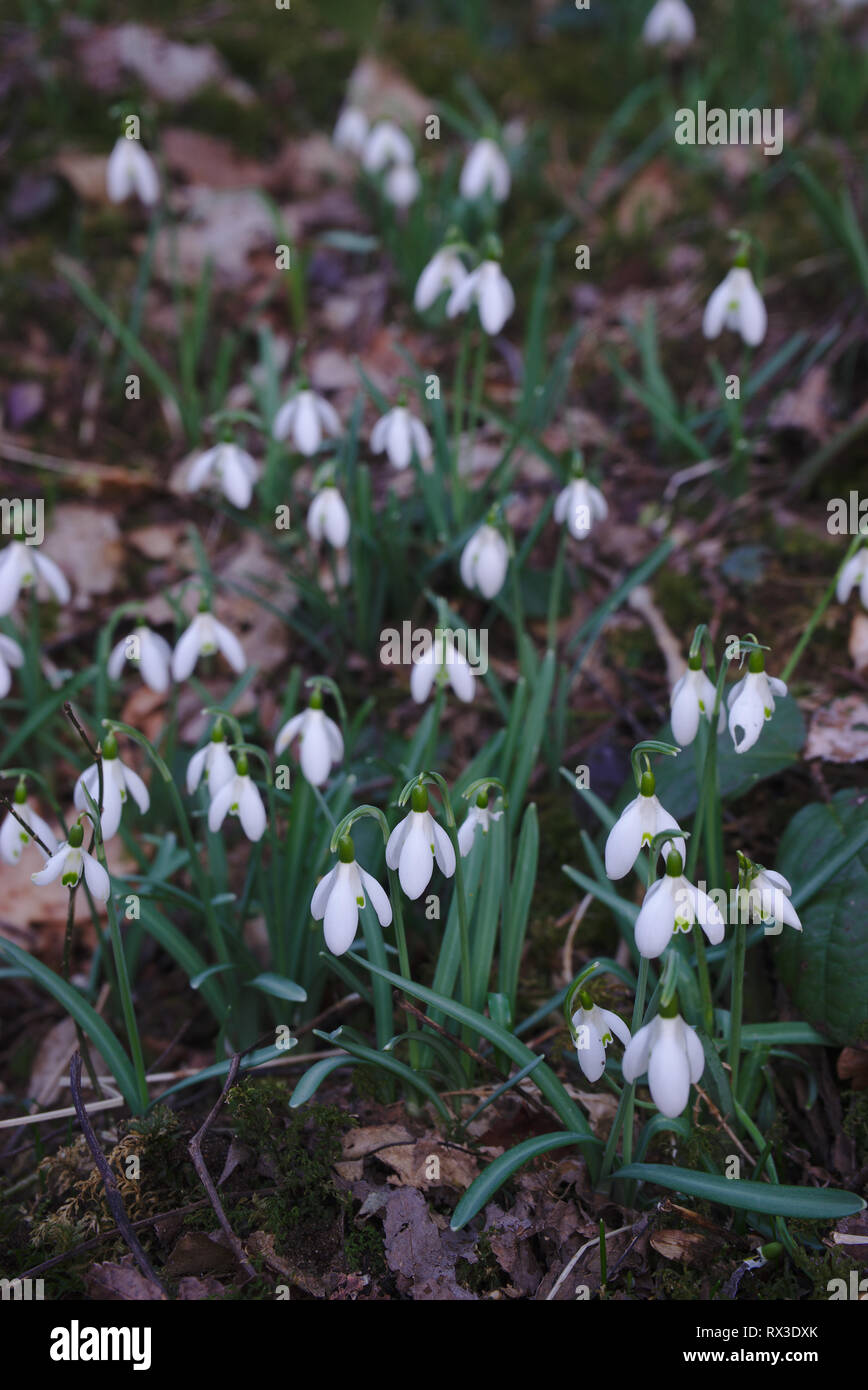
point(692, 699)
point(213, 762)
point(69, 861)
point(478, 818)
point(203, 637)
point(328, 516)
point(401, 185)
point(441, 661)
point(671, 1053)
point(151, 653)
point(339, 896)
point(231, 467)
point(10, 655)
point(307, 417)
point(636, 826)
point(117, 780)
point(580, 505)
point(238, 797)
point(414, 845)
point(131, 170)
point(320, 740)
point(670, 21)
point(594, 1030)
point(351, 130)
point(488, 288)
point(752, 701)
point(14, 839)
point(20, 568)
point(485, 171)
point(484, 561)
point(444, 271)
point(386, 144)
point(400, 433)
point(736, 304)
point(854, 572)
point(764, 896)
point(673, 904)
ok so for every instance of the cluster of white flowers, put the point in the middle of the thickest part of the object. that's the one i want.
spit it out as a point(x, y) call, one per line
point(22, 567)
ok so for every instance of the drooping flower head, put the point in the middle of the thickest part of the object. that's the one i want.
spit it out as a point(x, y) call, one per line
point(328, 517)
point(204, 637)
point(22, 567)
point(149, 652)
point(445, 271)
point(341, 894)
point(320, 740)
point(764, 896)
point(485, 172)
point(117, 781)
point(593, 1029)
point(580, 504)
point(669, 22)
point(239, 796)
point(671, 1053)
point(737, 303)
point(228, 466)
point(637, 826)
point(442, 661)
point(479, 817)
point(692, 699)
point(70, 861)
point(131, 171)
point(11, 656)
point(213, 764)
point(401, 434)
point(306, 418)
point(414, 845)
point(673, 904)
point(751, 702)
point(488, 289)
point(485, 561)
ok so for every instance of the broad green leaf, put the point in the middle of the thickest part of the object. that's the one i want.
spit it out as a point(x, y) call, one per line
point(825, 966)
point(279, 987)
point(810, 1203)
point(316, 1074)
point(483, 1188)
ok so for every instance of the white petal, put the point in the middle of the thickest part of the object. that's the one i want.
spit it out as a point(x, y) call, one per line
point(669, 1071)
point(417, 861)
point(395, 842)
point(314, 753)
point(321, 893)
point(53, 576)
point(289, 731)
point(695, 1054)
point(195, 768)
point(230, 647)
point(443, 850)
point(251, 811)
point(137, 789)
point(96, 878)
point(186, 653)
point(155, 662)
point(221, 800)
point(342, 911)
point(624, 841)
point(638, 1051)
point(656, 920)
point(378, 897)
point(716, 309)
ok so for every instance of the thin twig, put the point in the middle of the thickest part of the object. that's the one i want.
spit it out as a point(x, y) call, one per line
point(113, 1196)
point(195, 1148)
point(7, 805)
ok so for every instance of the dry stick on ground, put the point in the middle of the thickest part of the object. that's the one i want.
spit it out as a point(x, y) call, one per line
point(195, 1148)
point(113, 1196)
